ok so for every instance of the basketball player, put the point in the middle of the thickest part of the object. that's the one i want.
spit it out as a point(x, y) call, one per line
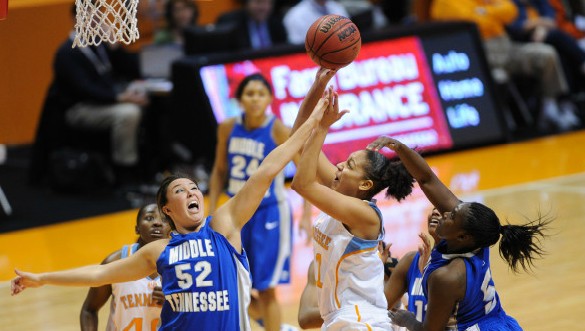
point(349, 273)
point(309, 315)
point(407, 276)
point(125, 311)
point(204, 270)
point(457, 281)
point(242, 143)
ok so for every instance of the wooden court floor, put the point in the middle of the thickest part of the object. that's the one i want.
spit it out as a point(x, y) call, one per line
point(516, 180)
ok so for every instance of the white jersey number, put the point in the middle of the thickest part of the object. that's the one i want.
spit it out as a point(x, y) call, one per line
point(489, 293)
point(239, 163)
point(203, 268)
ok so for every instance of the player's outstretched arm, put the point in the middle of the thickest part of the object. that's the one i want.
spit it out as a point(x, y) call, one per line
point(326, 170)
point(437, 192)
point(134, 267)
point(234, 214)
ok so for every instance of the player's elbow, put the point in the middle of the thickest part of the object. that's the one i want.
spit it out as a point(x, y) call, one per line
point(310, 319)
point(298, 185)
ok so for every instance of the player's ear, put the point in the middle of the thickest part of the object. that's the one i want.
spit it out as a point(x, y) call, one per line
point(366, 185)
point(165, 210)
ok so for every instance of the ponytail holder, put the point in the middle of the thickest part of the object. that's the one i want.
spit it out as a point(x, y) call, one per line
point(501, 229)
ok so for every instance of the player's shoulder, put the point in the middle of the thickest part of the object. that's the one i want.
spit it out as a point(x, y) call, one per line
point(408, 257)
point(452, 273)
point(226, 127)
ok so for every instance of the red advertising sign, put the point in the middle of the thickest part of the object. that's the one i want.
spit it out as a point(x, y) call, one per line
point(388, 89)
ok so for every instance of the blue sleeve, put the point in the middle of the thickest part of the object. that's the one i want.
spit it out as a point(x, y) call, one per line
point(544, 8)
point(521, 18)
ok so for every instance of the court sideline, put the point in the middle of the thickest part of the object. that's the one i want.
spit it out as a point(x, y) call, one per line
point(517, 180)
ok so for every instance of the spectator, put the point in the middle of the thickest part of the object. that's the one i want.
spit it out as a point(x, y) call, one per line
point(527, 59)
point(259, 26)
point(92, 90)
point(179, 14)
point(536, 23)
point(300, 17)
point(565, 18)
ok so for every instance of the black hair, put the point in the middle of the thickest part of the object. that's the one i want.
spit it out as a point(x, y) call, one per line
point(142, 210)
point(519, 245)
point(161, 195)
point(387, 173)
point(249, 78)
point(171, 24)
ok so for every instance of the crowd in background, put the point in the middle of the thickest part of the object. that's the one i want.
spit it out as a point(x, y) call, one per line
point(535, 46)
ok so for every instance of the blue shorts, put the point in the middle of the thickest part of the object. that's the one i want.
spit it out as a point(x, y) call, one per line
point(501, 322)
point(267, 239)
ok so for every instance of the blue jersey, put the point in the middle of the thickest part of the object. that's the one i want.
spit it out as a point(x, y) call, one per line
point(480, 308)
point(417, 302)
point(245, 151)
point(206, 283)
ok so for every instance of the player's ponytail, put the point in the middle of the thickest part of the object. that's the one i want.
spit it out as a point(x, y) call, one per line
point(386, 173)
point(521, 244)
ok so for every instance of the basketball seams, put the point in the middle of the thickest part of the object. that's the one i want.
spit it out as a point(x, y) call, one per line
point(316, 30)
point(341, 49)
point(337, 52)
point(331, 34)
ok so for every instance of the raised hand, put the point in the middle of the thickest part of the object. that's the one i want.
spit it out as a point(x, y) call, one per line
point(332, 113)
point(384, 141)
point(324, 75)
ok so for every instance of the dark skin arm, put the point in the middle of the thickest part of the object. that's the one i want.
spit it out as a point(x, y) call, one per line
point(219, 173)
point(437, 193)
point(447, 286)
point(396, 286)
point(96, 298)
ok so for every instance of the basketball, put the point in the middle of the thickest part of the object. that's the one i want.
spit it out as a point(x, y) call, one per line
point(333, 41)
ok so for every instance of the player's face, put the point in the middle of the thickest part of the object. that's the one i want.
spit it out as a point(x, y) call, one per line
point(451, 224)
point(151, 226)
point(184, 205)
point(182, 15)
point(255, 99)
point(350, 174)
point(433, 222)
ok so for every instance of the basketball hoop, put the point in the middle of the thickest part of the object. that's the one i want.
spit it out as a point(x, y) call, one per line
point(109, 21)
point(3, 9)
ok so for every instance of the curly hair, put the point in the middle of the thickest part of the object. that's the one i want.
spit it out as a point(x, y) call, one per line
point(386, 173)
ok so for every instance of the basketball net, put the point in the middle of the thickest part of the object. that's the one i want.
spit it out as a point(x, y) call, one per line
point(109, 21)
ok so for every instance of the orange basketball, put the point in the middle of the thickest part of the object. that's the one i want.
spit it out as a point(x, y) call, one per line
point(333, 41)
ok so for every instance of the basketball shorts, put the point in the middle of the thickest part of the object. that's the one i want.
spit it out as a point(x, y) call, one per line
point(267, 239)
